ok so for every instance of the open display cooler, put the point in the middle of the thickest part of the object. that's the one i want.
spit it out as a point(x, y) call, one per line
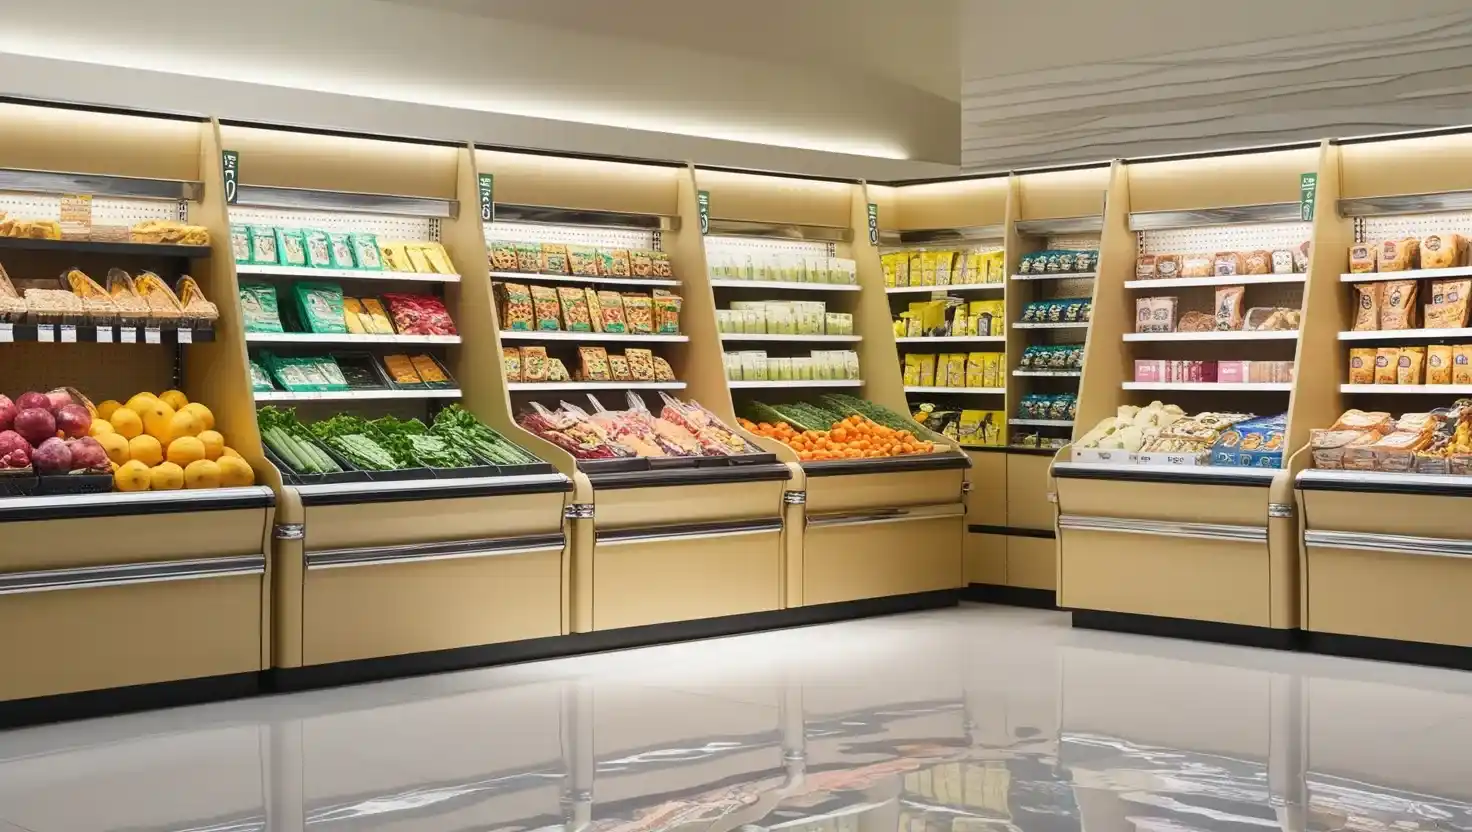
point(117, 576)
point(877, 511)
point(363, 315)
point(1183, 510)
point(1382, 478)
point(677, 516)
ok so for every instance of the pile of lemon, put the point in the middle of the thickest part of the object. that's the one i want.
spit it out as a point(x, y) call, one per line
point(166, 442)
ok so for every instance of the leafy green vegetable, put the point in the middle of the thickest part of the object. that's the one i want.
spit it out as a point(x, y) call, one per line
point(876, 413)
point(460, 428)
point(290, 440)
point(357, 440)
point(412, 439)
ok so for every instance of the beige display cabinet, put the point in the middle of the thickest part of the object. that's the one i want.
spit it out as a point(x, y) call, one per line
point(653, 544)
point(467, 563)
point(1179, 549)
point(119, 599)
point(857, 529)
point(1398, 538)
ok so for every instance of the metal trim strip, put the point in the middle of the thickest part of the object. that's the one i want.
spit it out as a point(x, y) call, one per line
point(1441, 547)
point(878, 516)
point(1384, 206)
point(1372, 482)
point(779, 230)
point(686, 531)
point(353, 493)
point(1163, 528)
point(98, 184)
point(1092, 224)
point(1206, 217)
point(128, 574)
point(942, 236)
point(118, 504)
point(553, 215)
point(426, 552)
point(266, 196)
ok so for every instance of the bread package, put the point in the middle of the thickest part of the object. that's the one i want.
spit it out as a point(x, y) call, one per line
point(1441, 251)
point(1462, 364)
point(1362, 365)
point(1398, 305)
point(1145, 267)
point(1439, 364)
point(1410, 367)
point(1229, 308)
point(1155, 314)
point(1448, 304)
point(1386, 359)
point(1197, 265)
point(1367, 306)
point(1168, 266)
point(1282, 261)
point(1328, 446)
point(1227, 263)
point(1257, 262)
point(1362, 258)
point(1377, 421)
point(1399, 255)
point(1196, 322)
point(1301, 255)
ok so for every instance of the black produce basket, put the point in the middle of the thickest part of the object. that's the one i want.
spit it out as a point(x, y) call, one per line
point(664, 463)
point(347, 474)
point(466, 473)
point(526, 469)
point(56, 484)
point(759, 458)
point(618, 465)
point(401, 475)
point(18, 482)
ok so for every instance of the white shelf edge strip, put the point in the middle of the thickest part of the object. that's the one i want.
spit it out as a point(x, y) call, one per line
point(1224, 280)
point(954, 287)
point(549, 335)
point(595, 385)
point(1057, 276)
point(784, 284)
point(948, 339)
point(756, 336)
point(1047, 373)
point(829, 382)
point(1244, 386)
point(915, 388)
point(1269, 335)
point(1051, 325)
point(345, 338)
point(341, 274)
point(1409, 274)
point(1408, 389)
point(348, 395)
point(575, 278)
point(1406, 334)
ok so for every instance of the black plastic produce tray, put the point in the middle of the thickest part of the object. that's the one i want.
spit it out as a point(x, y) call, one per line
point(752, 459)
point(18, 482)
point(347, 474)
point(53, 484)
point(526, 469)
point(612, 466)
point(661, 463)
point(465, 473)
point(401, 475)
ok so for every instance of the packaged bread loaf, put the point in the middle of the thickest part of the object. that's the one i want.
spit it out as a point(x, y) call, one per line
point(1229, 302)
point(1386, 360)
point(1282, 261)
point(1328, 445)
point(1462, 364)
point(1367, 306)
point(1375, 421)
point(1362, 365)
point(1167, 266)
point(1439, 364)
point(1448, 304)
point(1145, 267)
point(1410, 365)
point(1399, 255)
point(1441, 251)
point(1362, 258)
point(1398, 304)
point(1197, 265)
point(1155, 314)
point(1257, 262)
point(1227, 263)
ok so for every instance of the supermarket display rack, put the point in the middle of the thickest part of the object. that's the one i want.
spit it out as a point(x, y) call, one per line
point(472, 556)
point(644, 553)
point(1144, 546)
point(857, 528)
point(1396, 537)
point(112, 590)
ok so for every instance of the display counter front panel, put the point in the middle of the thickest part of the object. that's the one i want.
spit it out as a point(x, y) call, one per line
point(878, 553)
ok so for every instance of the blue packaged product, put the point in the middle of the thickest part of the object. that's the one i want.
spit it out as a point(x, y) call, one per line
point(1255, 443)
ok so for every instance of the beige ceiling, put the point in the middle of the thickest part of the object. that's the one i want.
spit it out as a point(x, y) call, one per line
point(913, 42)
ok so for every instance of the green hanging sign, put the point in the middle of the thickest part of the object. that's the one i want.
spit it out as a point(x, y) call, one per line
point(1308, 192)
point(487, 197)
point(702, 202)
point(230, 163)
point(873, 224)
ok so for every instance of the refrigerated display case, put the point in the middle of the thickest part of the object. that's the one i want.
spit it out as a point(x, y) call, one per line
point(862, 523)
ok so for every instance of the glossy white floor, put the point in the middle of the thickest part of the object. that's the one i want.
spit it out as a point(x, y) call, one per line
point(979, 718)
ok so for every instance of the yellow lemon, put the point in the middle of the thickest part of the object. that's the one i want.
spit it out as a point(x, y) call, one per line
point(186, 449)
point(183, 424)
point(105, 409)
point(235, 473)
point(202, 473)
point(202, 413)
point(99, 427)
point(229, 451)
point(139, 402)
point(167, 477)
point(157, 417)
point(174, 398)
point(214, 443)
point(132, 476)
point(127, 422)
point(116, 447)
point(145, 449)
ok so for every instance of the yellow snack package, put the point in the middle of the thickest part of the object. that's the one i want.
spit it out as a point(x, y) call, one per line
point(956, 370)
point(886, 262)
point(927, 370)
point(927, 269)
point(944, 264)
point(901, 268)
point(991, 316)
point(976, 370)
point(912, 370)
point(975, 271)
point(993, 370)
point(917, 269)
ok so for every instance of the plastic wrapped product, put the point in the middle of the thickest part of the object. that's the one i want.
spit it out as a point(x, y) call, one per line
point(666, 312)
point(660, 265)
point(1362, 365)
point(240, 242)
point(1155, 314)
point(1196, 322)
point(614, 263)
point(1439, 364)
point(1228, 263)
point(511, 363)
point(545, 308)
point(319, 249)
point(595, 363)
point(1367, 306)
point(340, 247)
point(258, 307)
point(395, 256)
point(533, 363)
point(1255, 443)
point(1362, 258)
point(1462, 364)
point(1410, 365)
point(419, 314)
point(1229, 302)
point(611, 307)
point(264, 250)
point(1168, 266)
point(575, 312)
point(1282, 261)
point(292, 243)
point(553, 258)
point(1375, 421)
point(376, 317)
point(503, 256)
point(1399, 255)
point(1448, 306)
point(1197, 265)
point(1327, 446)
point(639, 310)
point(664, 372)
point(1145, 267)
point(365, 251)
point(1398, 305)
point(1301, 256)
point(583, 260)
point(1257, 262)
point(320, 307)
point(1440, 251)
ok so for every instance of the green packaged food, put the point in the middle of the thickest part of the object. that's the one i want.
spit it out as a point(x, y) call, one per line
point(240, 242)
point(319, 305)
point(258, 307)
point(263, 248)
point(365, 252)
point(292, 244)
point(260, 380)
point(340, 246)
point(319, 249)
point(328, 369)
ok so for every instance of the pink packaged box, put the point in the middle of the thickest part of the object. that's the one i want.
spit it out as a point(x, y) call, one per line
point(1200, 371)
point(1232, 372)
point(1150, 371)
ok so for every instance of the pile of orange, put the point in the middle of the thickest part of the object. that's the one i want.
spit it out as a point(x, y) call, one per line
point(853, 438)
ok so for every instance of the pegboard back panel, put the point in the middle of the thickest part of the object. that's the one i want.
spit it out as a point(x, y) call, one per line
point(721, 246)
point(1375, 229)
point(979, 248)
point(385, 227)
point(1211, 239)
point(105, 210)
point(578, 235)
point(1074, 242)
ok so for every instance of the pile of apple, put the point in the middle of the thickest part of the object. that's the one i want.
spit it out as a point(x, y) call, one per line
point(48, 432)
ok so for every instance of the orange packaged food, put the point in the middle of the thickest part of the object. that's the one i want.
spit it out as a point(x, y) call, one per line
point(533, 363)
point(429, 370)
point(511, 362)
point(595, 363)
point(618, 367)
point(639, 309)
point(401, 370)
point(611, 307)
point(641, 364)
point(575, 309)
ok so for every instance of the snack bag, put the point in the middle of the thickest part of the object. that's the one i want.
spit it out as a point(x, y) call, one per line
point(320, 307)
point(666, 312)
point(1367, 309)
point(258, 307)
point(319, 249)
point(548, 316)
point(365, 251)
point(340, 247)
point(611, 307)
point(575, 312)
point(511, 363)
point(264, 250)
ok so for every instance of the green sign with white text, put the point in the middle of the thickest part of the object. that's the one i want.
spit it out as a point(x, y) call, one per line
point(1308, 193)
point(873, 224)
point(702, 203)
point(230, 164)
point(487, 197)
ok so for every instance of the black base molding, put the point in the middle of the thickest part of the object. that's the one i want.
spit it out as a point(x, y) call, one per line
point(1012, 596)
point(114, 701)
point(1153, 625)
point(1389, 650)
point(465, 658)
